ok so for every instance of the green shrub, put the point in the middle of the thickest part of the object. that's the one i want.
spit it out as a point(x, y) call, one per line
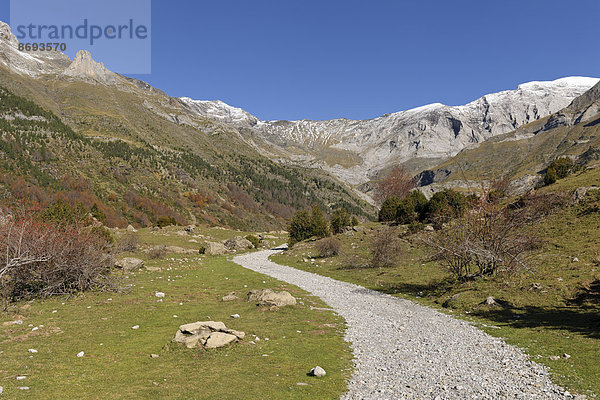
point(340, 220)
point(103, 233)
point(254, 240)
point(318, 222)
point(558, 169)
point(300, 227)
point(388, 209)
point(446, 205)
point(98, 213)
point(61, 212)
point(164, 221)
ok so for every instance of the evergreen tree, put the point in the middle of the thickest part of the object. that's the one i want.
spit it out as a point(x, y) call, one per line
point(340, 220)
point(300, 227)
point(319, 225)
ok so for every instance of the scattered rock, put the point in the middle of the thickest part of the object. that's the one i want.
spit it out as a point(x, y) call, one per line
point(230, 297)
point(32, 351)
point(1, 389)
point(581, 193)
point(235, 315)
point(536, 286)
point(566, 356)
point(214, 248)
point(238, 243)
point(129, 264)
point(130, 228)
point(23, 387)
point(317, 371)
point(208, 334)
point(302, 384)
point(219, 339)
point(20, 378)
point(428, 228)
point(267, 297)
point(135, 327)
point(160, 295)
point(80, 354)
point(190, 228)
point(154, 356)
point(575, 259)
point(493, 302)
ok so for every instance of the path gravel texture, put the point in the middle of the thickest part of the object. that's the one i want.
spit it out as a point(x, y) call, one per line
point(403, 350)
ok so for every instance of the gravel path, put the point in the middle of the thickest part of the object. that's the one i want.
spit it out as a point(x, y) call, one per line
point(407, 351)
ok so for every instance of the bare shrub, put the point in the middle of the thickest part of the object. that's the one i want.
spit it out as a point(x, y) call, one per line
point(385, 248)
point(487, 240)
point(129, 242)
point(43, 259)
point(157, 252)
point(329, 247)
point(398, 183)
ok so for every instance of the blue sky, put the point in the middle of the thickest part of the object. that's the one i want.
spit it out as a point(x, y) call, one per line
point(324, 59)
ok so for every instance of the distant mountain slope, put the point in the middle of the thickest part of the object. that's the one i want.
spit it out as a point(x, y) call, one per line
point(356, 151)
point(75, 130)
point(524, 153)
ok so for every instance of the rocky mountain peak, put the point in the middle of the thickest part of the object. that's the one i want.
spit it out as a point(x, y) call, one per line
point(6, 34)
point(84, 67)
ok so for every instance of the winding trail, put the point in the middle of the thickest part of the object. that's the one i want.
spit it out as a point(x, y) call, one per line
point(404, 350)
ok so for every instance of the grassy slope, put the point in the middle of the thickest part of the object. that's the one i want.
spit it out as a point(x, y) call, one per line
point(545, 322)
point(220, 154)
point(117, 361)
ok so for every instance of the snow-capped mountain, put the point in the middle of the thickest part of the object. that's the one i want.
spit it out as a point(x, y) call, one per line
point(428, 133)
point(352, 150)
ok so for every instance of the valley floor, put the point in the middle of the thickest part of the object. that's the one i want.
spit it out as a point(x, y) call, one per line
point(405, 350)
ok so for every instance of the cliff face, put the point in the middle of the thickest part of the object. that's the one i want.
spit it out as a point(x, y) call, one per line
point(428, 133)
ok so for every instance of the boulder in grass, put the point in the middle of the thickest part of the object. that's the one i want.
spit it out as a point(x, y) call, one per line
point(214, 248)
point(129, 264)
point(269, 298)
point(207, 334)
point(238, 243)
point(230, 297)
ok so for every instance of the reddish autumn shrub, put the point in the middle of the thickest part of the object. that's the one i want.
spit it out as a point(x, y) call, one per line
point(43, 258)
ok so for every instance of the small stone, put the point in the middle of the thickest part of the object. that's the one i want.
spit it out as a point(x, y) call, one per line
point(154, 356)
point(160, 295)
point(302, 384)
point(317, 371)
point(18, 322)
point(80, 354)
point(34, 329)
point(20, 378)
point(235, 315)
point(566, 356)
point(23, 387)
point(1, 389)
point(135, 327)
point(554, 358)
point(32, 350)
point(575, 259)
